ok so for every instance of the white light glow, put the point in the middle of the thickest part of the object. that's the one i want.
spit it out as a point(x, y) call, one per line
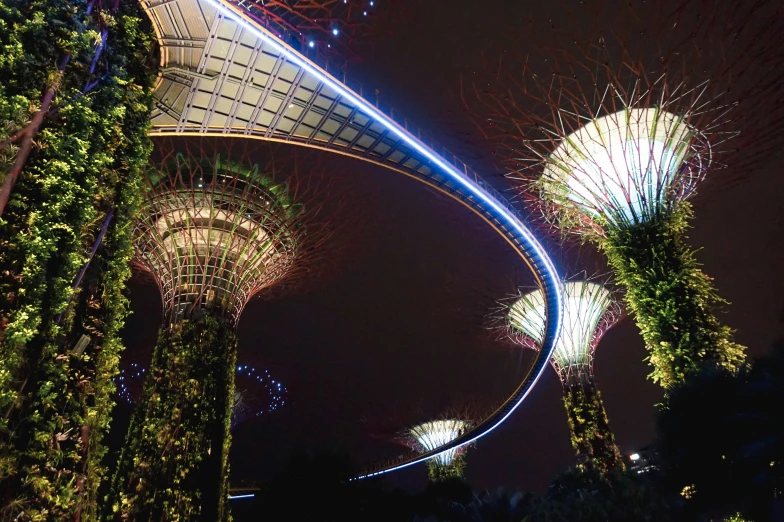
point(434, 434)
point(335, 31)
point(585, 304)
point(621, 167)
point(634, 456)
point(482, 197)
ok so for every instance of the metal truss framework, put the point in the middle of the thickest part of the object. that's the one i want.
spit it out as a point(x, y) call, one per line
point(213, 234)
point(224, 74)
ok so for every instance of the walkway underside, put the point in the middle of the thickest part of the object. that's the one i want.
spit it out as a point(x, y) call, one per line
point(220, 78)
point(223, 74)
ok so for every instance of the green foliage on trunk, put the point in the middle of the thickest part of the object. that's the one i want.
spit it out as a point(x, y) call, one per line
point(87, 157)
point(672, 300)
point(175, 463)
point(592, 438)
point(438, 472)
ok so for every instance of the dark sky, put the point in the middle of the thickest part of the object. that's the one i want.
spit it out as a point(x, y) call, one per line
point(397, 335)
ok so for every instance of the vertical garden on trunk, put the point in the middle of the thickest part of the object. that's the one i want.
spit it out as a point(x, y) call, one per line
point(673, 301)
point(176, 461)
point(75, 97)
point(592, 438)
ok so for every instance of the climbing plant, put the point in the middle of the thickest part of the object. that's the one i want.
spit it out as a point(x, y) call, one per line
point(174, 465)
point(591, 436)
point(438, 472)
point(79, 68)
point(673, 302)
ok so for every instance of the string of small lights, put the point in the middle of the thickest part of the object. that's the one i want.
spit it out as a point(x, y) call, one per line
point(255, 391)
point(129, 383)
point(329, 26)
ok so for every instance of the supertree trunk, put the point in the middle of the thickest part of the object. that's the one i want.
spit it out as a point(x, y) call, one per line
point(592, 438)
point(437, 471)
point(670, 298)
point(175, 462)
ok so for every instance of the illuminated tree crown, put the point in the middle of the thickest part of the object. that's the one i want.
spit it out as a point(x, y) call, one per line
point(214, 234)
point(589, 310)
point(625, 167)
point(433, 434)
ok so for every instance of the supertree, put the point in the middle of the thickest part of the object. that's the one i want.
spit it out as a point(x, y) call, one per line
point(589, 311)
point(609, 136)
point(215, 231)
point(128, 383)
point(427, 436)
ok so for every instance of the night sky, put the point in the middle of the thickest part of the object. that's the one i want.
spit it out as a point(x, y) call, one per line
point(398, 334)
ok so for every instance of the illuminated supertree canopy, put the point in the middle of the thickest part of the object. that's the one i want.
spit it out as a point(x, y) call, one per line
point(215, 235)
point(621, 180)
point(215, 231)
point(428, 436)
point(609, 136)
point(624, 168)
point(589, 311)
point(128, 383)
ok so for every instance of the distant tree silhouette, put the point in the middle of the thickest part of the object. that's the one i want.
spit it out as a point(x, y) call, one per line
point(722, 441)
point(501, 505)
point(587, 496)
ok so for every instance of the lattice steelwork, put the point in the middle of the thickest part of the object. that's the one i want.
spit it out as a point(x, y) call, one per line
point(224, 73)
point(589, 311)
point(610, 126)
point(213, 234)
point(217, 76)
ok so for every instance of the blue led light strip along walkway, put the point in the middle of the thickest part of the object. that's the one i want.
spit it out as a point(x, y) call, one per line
point(222, 74)
point(238, 497)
